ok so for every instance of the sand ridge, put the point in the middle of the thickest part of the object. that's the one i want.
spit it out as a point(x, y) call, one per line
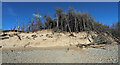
point(44, 39)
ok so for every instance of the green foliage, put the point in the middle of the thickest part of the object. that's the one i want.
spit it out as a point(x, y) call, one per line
point(115, 29)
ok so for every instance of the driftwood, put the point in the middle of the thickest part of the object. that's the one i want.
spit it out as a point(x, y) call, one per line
point(116, 39)
point(18, 36)
point(82, 45)
point(72, 35)
point(97, 41)
point(4, 38)
point(3, 35)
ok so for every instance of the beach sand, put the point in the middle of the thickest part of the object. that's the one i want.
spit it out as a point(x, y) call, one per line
point(61, 55)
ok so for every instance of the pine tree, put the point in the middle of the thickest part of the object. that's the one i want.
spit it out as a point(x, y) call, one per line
point(58, 15)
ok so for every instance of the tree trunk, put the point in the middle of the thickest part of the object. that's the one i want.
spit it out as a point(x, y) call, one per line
point(50, 25)
point(75, 25)
point(62, 24)
point(57, 22)
point(92, 27)
point(84, 25)
point(68, 26)
point(14, 27)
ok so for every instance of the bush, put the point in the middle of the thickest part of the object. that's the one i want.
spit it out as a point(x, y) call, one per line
point(101, 39)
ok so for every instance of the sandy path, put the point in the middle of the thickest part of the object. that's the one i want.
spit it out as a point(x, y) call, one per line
point(91, 55)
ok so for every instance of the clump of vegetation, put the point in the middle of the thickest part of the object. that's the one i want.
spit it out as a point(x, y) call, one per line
point(70, 21)
point(101, 39)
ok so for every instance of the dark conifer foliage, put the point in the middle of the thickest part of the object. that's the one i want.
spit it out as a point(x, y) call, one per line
point(70, 21)
point(115, 29)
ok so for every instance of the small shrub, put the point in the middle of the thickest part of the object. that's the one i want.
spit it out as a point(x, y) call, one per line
point(101, 39)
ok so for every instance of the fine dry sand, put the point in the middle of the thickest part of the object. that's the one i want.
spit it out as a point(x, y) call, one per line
point(44, 38)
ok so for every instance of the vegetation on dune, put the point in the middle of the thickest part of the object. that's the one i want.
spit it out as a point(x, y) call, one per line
point(70, 21)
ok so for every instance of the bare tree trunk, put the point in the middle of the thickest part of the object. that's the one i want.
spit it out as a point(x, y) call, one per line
point(11, 28)
point(79, 25)
point(62, 24)
point(18, 28)
point(84, 25)
point(44, 26)
point(75, 25)
point(68, 26)
point(92, 27)
point(50, 25)
point(57, 22)
point(32, 27)
point(29, 28)
point(14, 27)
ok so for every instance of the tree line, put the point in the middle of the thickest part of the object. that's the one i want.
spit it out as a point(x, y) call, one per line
point(70, 21)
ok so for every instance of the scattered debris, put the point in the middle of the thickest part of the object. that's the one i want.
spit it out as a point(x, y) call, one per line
point(18, 36)
point(70, 44)
point(22, 36)
point(44, 39)
point(59, 34)
point(34, 36)
point(49, 36)
point(93, 36)
point(41, 35)
point(89, 40)
point(26, 44)
point(82, 45)
point(68, 49)
point(10, 35)
point(103, 48)
point(72, 35)
point(0, 46)
point(11, 50)
point(27, 37)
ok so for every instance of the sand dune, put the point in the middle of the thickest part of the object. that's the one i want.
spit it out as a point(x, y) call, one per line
point(48, 47)
point(43, 39)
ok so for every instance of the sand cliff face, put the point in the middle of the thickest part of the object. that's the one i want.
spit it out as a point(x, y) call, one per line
point(44, 38)
point(47, 47)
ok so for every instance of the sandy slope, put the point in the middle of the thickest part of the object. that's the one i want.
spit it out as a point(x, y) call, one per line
point(47, 47)
point(44, 39)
